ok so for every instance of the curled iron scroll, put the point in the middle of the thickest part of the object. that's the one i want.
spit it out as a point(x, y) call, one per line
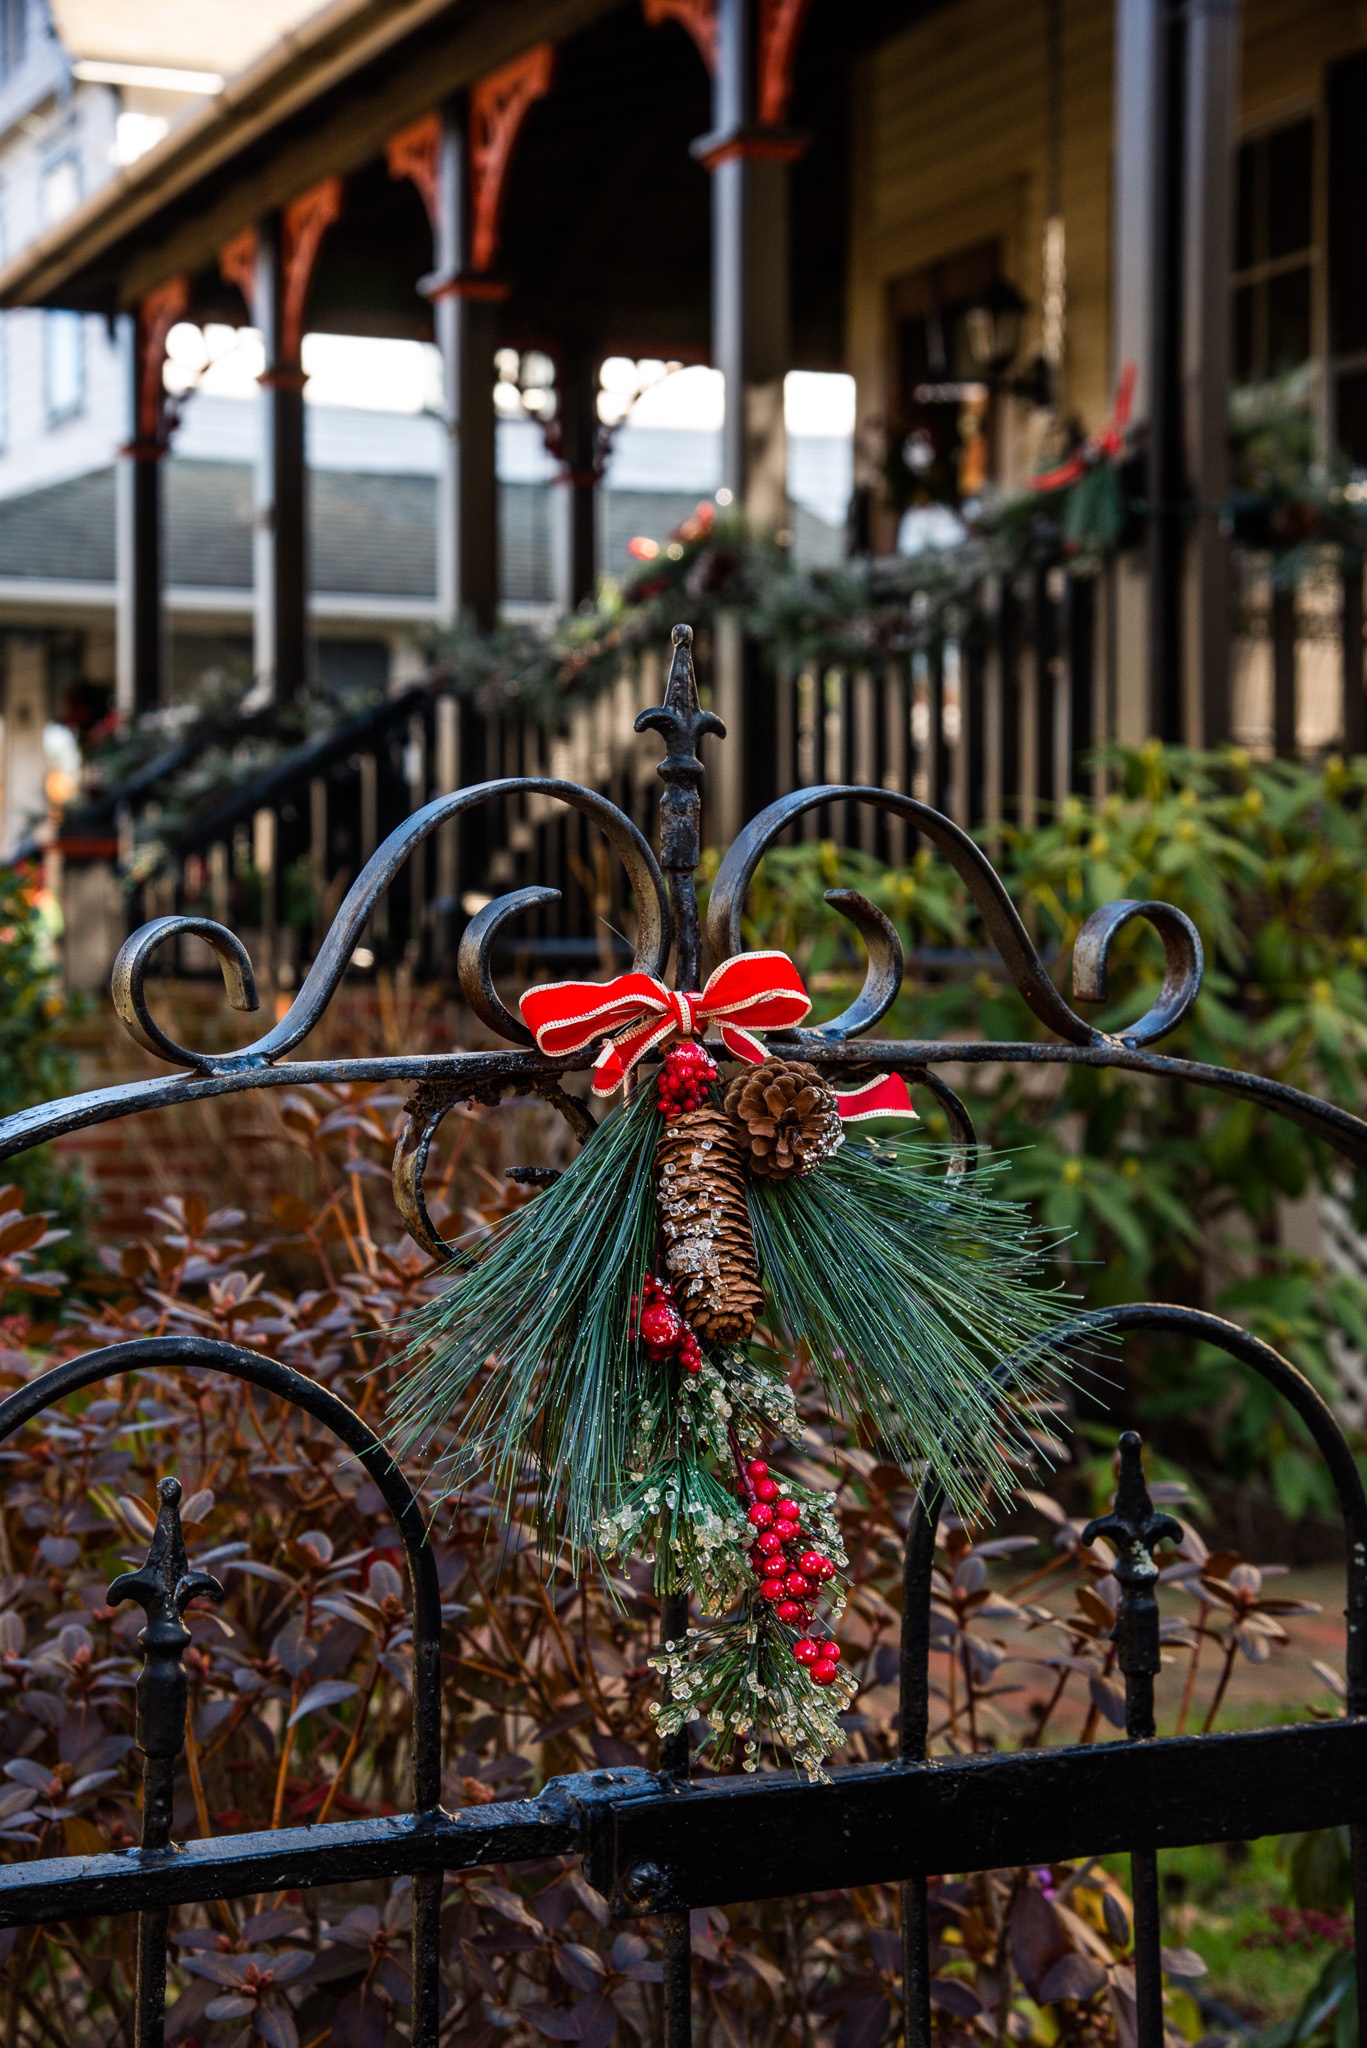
point(130, 971)
point(1014, 944)
point(653, 927)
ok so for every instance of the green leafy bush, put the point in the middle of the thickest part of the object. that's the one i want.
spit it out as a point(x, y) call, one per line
point(34, 1065)
point(1159, 1191)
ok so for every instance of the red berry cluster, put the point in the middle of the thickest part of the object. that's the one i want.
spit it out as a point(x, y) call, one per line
point(661, 1328)
point(684, 1078)
point(789, 1575)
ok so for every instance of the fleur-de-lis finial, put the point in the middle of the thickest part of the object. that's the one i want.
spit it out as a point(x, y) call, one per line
point(1136, 1528)
point(163, 1587)
point(682, 723)
point(164, 1584)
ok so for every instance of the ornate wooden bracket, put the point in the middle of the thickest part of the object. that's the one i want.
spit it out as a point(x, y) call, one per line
point(780, 25)
point(498, 107)
point(156, 316)
point(237, 265)
point(303, 225)
point(699, 17)
point(415, 152)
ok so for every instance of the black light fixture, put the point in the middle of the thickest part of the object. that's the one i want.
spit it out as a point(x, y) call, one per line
point(992, 326)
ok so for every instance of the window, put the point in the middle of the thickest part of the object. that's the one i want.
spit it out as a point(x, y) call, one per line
point(63, 365)
point(1274, 253)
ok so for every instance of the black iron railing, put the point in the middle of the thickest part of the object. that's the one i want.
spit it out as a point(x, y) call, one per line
point(654, 1842)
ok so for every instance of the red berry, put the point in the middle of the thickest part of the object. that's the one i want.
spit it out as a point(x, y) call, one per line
point(806, 1651)
point(790, 1610)
point(823, 1673)
point(830, 1653)
point(798, 1587)
point(771, 1543)
point(772, 1589)
point(693, 1365)
point(766, 1489)
point(761, 1515)
point(757, 1469)
point(661, 1329)
point(813, 1563)
point(787, 1510)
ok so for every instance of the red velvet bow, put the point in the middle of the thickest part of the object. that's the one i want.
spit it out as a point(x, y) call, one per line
point(763, 988)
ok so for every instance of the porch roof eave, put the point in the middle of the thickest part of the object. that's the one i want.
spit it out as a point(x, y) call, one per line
point(325, 100)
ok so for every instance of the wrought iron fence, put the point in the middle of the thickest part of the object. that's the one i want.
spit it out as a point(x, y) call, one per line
point(659, 1842)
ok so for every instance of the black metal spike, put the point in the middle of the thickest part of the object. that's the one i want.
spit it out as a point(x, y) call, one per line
point(682, 723)
point(163, 1586)
point(1136, 1529)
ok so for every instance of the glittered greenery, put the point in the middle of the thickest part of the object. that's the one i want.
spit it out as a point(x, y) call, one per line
point(741, 1675)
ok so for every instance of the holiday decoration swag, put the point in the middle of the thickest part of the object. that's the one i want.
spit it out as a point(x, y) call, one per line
point(599, 1347)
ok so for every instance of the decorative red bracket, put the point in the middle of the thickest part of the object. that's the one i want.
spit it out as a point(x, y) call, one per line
point(498, 107)
point(699, 17)
point(780, 25)
point(237, 265)
point(415, 152)
point(303, 225)
point(156, 316)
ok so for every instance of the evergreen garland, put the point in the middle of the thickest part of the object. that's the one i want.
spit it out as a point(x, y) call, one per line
point(559, 1361)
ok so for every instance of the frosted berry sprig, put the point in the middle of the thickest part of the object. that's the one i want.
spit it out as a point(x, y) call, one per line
point(661, 1328)
point(791, 1574)
point(685, 1077)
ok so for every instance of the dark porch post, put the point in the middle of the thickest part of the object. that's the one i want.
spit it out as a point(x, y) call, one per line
point(1175, 97)
point(460, 161)
point(141, 610)
point(435, 153)
point(280, 547)
point(749, 153)
point(465, 315)
point(287, 246)
point(748, 156)
point(574, 503)
point(1211, 137)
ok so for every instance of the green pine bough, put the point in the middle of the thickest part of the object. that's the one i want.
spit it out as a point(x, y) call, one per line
point(588, 1362)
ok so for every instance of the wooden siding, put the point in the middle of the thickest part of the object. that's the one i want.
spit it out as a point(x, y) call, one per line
point(950, 150)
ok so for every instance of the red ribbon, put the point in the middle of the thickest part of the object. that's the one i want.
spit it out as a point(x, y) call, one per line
point(634, 1013)
point(1108, 443)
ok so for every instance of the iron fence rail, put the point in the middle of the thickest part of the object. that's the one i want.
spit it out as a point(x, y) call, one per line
point(659, 1842)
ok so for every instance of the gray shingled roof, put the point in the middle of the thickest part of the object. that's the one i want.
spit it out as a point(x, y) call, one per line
point(370, 535)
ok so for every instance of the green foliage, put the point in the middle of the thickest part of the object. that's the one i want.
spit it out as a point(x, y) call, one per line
point(548, 1296)
point(1157, 1191)
point(34, 1066)
point(904, 1288)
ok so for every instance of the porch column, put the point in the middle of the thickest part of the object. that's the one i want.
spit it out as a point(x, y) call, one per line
point(141, 622)
point(574, 494)
point(1210, 141)
point(459, 161)
point(465, 318)
point(1176, 121)
point(748, 153)
point(286, 246)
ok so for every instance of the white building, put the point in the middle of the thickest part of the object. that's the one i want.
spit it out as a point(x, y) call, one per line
point(86, 88)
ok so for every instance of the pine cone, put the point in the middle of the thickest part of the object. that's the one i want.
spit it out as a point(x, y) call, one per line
point(786, 1117)
point(709, 1251)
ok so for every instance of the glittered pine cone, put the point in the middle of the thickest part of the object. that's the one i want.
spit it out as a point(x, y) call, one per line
point(786, 1118)
point(705, 1225)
